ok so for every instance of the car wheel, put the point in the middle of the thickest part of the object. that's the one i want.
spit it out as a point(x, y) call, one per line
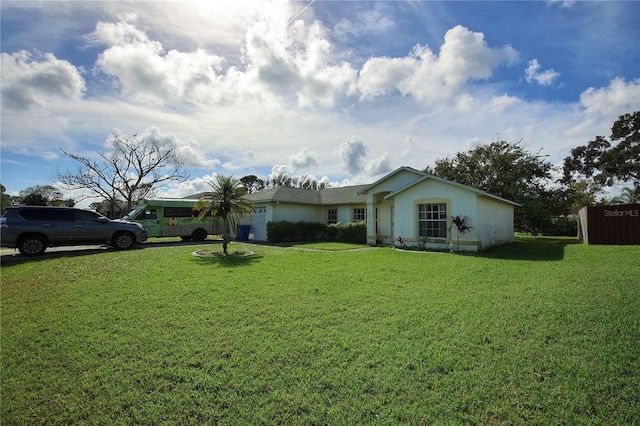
point(123, 240)
point(32, 245)
point(199, 235)
point(186, 238)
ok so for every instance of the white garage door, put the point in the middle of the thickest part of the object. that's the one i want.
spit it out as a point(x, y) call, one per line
point(259, 224)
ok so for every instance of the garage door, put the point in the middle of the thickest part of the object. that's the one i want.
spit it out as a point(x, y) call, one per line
point(259, 224)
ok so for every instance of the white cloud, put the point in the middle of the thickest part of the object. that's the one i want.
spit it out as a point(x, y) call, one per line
point(502, 102)
point(189, 187)
point(291, 62)
point(145, 72)
point(618, 98)
point(303, 159)
point(379, 166)
point(381, 75)
point(121, 34)
point(296, 62)
point(30, 81)
point(352, 152)
point(370, 21)
point(464, 57)
point(192, 152)
point(533, 73)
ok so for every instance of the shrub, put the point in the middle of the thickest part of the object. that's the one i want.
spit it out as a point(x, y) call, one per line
point(351, 232)
point(278, 232)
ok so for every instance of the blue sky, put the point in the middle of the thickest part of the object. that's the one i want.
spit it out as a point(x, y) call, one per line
point(344, 91)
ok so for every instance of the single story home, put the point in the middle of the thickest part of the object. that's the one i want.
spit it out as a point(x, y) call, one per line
point(406, 206)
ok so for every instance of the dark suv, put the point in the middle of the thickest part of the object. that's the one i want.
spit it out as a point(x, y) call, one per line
point(31, 229)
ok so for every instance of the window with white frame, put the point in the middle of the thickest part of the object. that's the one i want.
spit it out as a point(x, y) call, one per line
point(360, 215)
point(432, 220)
point(332, 216)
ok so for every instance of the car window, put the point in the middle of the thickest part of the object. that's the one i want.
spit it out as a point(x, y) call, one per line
point(46, 214)
point(85, 216)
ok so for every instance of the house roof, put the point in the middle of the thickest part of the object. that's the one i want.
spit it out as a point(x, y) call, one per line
point(427, 176)
point(422, 177)
point(356, 194)
point(327, 196)
point(393, 173)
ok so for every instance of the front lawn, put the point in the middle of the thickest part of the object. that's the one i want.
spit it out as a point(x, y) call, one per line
point(544, 331)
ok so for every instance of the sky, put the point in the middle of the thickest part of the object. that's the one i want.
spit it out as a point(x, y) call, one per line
point(343, 91)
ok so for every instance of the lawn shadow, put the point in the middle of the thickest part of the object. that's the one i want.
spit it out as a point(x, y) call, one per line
point(8, 260)
point(531, 248)
point(233, 259)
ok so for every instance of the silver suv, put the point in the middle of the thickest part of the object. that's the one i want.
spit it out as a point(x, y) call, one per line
point(31, 229)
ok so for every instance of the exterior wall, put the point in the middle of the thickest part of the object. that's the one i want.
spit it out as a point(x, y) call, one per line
point(268, 212)
point(459, 202)
point(345, 212)
point(298, 213)
point(494, 223)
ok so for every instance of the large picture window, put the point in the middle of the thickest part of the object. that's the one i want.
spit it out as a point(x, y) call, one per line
point(432, 220)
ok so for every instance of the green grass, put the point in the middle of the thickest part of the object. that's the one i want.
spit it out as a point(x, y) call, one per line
point(328, 246)
point(544, 331)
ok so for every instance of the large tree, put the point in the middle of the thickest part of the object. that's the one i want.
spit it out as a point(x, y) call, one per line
point(508, 170)
point(225, 201)
point(134, 168)
point(252, 183)
point(609, 161)
point(43, 195)
point(5, 199)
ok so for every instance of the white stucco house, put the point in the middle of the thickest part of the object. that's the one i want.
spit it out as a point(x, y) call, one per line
point(407, 203)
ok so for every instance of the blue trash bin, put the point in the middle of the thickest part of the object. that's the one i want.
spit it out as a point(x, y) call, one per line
point(242, 232)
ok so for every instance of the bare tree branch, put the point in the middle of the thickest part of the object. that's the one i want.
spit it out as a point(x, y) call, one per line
point(134, 169)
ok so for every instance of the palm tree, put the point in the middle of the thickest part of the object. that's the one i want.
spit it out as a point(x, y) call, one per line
point(462, 226)
point(226, 201)
point(627, 196)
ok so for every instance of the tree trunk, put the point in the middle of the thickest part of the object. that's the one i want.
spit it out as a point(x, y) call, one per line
point(225, 236)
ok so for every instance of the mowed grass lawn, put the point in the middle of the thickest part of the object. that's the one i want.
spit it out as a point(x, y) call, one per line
point(544, 331)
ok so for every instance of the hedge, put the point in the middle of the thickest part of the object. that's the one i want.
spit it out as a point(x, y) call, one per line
point(350, 232)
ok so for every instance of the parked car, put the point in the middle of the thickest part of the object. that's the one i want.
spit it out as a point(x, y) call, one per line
point(31, 229)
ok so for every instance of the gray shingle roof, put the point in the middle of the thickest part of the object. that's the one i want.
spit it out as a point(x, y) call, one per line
point(328, 196)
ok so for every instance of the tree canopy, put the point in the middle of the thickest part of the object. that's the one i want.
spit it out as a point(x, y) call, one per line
point(42, 195)
point(5, 199)
point(252, 183)
point(509, 171)
point(609, 161)
point(133, 169)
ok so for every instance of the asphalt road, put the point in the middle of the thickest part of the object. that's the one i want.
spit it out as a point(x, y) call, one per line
point(13, 255)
